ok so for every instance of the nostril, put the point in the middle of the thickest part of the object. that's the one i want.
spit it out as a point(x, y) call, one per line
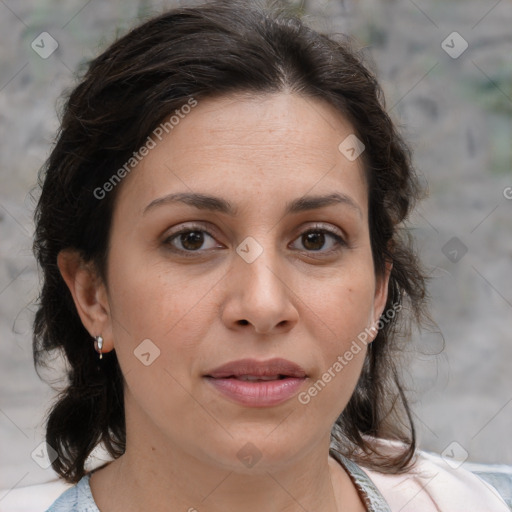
point(243, 322)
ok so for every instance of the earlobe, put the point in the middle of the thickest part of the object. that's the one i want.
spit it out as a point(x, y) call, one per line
point(89, 295)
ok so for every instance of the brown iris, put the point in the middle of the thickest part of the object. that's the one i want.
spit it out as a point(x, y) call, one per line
point(313, 241)
point(192, 240)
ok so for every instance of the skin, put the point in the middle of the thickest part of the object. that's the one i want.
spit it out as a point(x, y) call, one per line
point(201, 311)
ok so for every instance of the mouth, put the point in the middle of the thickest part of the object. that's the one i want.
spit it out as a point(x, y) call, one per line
point(254, 383)
point(251, 370)
point(254, 378)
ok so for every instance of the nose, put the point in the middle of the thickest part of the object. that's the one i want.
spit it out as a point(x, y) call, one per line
point(260, 296)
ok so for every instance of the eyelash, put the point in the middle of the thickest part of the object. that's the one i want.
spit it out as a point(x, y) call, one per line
point(340, 242)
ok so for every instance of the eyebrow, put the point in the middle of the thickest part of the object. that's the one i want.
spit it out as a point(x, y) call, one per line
point(217, 204)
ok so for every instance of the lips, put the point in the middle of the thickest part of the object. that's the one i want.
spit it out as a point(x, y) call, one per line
point(254, 383)
point(250, 369)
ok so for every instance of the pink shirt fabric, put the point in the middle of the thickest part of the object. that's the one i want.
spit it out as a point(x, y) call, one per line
point(433, 486)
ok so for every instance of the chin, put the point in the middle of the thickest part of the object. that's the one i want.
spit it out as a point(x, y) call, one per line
point(255, 452)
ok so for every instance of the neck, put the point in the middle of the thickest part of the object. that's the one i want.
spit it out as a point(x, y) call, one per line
point(156, 474)
point(160, 481)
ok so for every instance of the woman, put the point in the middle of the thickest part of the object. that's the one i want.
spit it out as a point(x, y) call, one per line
point(225, 272)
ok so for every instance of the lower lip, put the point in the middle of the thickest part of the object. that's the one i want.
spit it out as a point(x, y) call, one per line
point(259, 393)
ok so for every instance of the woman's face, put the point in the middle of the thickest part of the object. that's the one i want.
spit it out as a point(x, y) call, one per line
point(253, 262)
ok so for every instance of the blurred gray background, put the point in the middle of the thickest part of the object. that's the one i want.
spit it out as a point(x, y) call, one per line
point(454, 105)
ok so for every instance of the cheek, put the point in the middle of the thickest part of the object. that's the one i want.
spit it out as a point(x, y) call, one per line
point(152, 298)
point(149, 302)
point(342, 307)
point(159, 320)
point(332, 388)
point(342, 347)
point(341, 324)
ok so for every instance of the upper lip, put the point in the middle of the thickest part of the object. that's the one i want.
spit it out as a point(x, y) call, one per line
point(268, 368)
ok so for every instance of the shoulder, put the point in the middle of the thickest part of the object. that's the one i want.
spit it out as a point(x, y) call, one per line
point(54, 496)
point(32, 498)
point(76, 499)
point(432, 484)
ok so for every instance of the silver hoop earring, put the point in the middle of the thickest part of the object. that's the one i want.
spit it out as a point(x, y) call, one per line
point(98, 345)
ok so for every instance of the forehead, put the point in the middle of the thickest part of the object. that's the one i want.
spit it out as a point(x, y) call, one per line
point(273, 145)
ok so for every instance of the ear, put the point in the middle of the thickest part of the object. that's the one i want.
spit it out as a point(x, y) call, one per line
point(380, 297)
point(89, 295)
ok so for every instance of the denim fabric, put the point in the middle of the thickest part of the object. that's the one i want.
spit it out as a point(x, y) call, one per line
point(76, 499)
point(371, 496)
point(501, 481)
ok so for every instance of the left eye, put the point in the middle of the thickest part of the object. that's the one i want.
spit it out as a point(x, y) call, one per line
point(316, 239)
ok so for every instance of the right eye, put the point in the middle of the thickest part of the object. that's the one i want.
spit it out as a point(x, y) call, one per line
point(191, 240)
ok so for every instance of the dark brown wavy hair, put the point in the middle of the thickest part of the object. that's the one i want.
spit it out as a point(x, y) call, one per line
point(197, 52)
